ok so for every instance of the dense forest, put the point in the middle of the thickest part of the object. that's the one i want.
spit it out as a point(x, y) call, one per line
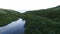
point(45, 21)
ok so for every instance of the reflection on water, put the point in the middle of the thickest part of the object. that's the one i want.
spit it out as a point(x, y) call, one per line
point(16, 27)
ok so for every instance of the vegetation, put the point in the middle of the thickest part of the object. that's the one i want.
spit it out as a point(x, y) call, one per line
point(51, 13)
point(7, 16)
point(45, 21)
point(41, 25)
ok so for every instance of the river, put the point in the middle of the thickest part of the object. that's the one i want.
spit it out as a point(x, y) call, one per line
point(15, 27)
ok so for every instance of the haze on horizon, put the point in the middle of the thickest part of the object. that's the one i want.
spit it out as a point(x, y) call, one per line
point(23, 5)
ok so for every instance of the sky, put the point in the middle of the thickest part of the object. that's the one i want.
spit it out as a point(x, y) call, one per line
point(28, 4)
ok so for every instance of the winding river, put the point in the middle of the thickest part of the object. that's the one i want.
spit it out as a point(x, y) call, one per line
point(16, 27)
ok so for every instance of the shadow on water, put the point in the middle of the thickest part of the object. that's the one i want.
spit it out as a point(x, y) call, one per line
point(16, 27)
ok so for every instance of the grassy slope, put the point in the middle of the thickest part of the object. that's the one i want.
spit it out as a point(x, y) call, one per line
point(7, 16)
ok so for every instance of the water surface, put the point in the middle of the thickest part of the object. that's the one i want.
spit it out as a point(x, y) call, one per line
point(16, 27)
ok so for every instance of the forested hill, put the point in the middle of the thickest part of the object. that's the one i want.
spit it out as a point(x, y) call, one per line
point(51, 13)
point(45, 21)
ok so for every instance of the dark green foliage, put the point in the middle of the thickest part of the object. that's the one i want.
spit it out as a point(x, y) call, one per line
point(45, 21)
point(51, 13)
point(40, 25)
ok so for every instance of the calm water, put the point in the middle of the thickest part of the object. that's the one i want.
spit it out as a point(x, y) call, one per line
point(16, 27)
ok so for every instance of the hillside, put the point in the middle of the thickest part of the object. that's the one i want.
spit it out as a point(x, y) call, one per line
point(50, 13)
point(41, 25)
point(45, 21)
point(7, 16)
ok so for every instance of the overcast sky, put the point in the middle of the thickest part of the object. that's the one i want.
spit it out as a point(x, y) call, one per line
point(28, 4)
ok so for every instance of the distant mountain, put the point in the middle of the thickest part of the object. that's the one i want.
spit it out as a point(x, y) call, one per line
point(21, 11)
